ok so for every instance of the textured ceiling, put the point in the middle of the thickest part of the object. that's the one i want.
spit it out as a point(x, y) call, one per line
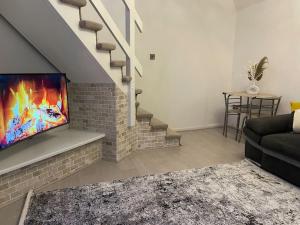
point(241, 4)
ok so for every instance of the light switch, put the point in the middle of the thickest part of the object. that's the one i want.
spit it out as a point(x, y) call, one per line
point(152, 56)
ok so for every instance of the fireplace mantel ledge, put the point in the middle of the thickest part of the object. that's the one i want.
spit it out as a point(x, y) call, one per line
point(44, 146)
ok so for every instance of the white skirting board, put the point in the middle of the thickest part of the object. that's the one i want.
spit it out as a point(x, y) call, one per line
point(209, 126)
point(25, 208)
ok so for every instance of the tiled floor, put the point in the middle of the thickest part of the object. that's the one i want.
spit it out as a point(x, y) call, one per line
point(200, 148)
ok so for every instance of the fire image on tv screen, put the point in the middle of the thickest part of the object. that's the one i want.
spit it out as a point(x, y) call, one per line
point(31, 104)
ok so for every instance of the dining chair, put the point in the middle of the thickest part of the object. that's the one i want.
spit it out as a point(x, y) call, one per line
point(260, 107)
point(232, 108)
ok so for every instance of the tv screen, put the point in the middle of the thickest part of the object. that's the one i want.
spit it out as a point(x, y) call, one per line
point(31, 104)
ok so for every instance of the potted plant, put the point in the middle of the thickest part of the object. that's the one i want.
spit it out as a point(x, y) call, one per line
point(255, 74)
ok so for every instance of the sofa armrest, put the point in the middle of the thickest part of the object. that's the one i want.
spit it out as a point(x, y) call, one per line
point(271, 125)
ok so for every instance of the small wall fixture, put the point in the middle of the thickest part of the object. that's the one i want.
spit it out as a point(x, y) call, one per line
point(152, 56)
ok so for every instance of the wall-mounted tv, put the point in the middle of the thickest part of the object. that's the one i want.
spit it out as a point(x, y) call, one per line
point(31, 104)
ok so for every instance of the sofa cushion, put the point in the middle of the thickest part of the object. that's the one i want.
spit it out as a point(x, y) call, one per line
point(271, 125)
point(287, 144)
point(253, 136)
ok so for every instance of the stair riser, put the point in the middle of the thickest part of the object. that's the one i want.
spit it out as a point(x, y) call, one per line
point(144, 119)
point(173, 138)
point(105, 47)
point(117, 65)
point(172, 143)
point(159, 128)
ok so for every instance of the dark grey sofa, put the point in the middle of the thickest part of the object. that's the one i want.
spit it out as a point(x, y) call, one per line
point(271, 143)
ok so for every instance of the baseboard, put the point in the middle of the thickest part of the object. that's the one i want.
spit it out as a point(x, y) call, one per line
point(209, 126)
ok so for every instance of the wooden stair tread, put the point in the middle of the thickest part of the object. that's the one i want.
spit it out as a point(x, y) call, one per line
point(143, 114)
point(126, 79)
point(118, 63)
point(78, 3)
point(90, 25)
point(171, 134)
point(158, 125)
point(138, 91)
point(106, 46)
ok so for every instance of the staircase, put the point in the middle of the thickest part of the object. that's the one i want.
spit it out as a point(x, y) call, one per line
point(153, 133)
point(158, 134)
point(76, 49)
point(127, 68)
point(101, 46)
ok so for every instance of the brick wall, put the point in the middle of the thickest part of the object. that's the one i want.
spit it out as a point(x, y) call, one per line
point(126, 136)
point(16, 184)
point(92, 107)
point(103, 108)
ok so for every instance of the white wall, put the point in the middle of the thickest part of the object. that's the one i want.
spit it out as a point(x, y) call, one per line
point(17, 56)
point(270, 28)
point(117, 9)
point(193, 42)
point(241, 4)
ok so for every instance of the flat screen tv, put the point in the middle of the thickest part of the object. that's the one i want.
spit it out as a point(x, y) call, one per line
point(31, 104)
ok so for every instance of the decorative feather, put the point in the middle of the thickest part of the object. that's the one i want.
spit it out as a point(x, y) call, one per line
point(260, 68)
point(256, 71)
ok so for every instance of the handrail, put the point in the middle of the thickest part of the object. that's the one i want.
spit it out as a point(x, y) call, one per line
point(115, 31)
point(138, 21)
point(127, 44)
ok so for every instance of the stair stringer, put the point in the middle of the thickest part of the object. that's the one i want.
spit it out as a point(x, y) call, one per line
point(52, 27)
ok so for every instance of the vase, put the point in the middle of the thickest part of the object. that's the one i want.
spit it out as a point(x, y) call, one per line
point(253, 89)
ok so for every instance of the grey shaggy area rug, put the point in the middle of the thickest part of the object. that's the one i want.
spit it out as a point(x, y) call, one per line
point(224, 194)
